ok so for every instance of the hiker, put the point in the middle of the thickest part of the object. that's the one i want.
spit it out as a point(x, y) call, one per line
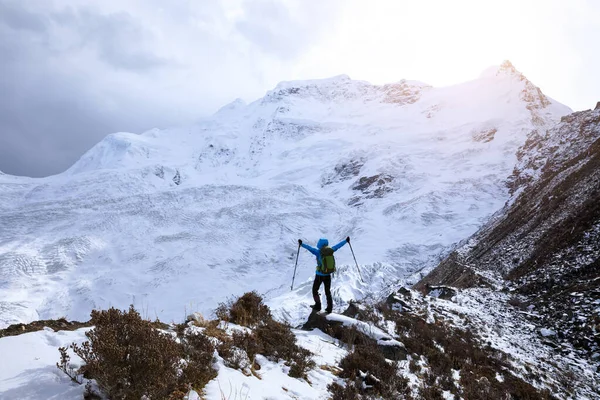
point(324, 255)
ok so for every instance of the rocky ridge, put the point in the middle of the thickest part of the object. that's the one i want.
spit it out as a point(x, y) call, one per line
point(544, 246)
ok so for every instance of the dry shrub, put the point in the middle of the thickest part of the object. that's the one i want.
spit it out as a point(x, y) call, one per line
point(248, 310)
point(179, 329)
point(367, 372)
point(222, 311)
point(276, 341)
point(238, 351)
point(351, 336)
point(246, 341)
point(301, 362)
point(198, 351)
point(272, 339)
point(348, 392)
point(212, 330)
point(442, 346)
point(447, 348)
point(413, 366)
point(430, 389)
point(369, 313)
point(129, 358)
point(482, 388)
point(368, 368)
point(60, 324)
point(235, 357)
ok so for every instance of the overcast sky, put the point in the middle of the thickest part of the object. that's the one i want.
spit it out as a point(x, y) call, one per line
point(73, 71)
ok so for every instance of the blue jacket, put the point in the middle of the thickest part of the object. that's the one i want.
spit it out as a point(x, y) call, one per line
point(316, 251)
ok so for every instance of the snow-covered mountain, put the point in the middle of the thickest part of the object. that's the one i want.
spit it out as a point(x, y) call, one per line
point(180, 219)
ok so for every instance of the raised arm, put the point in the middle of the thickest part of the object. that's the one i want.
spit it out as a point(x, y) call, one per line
point(340, 244)
point(311, 249)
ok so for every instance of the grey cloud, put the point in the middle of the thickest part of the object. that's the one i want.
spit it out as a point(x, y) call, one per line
point(71, 74)
point(49, 116)
point(119, 39)
point(278, 30)
point(14, 15)
point(43, 130)
point(267, 25)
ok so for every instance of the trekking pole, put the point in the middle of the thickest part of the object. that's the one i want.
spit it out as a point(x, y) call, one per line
point(295, 266)
point(359, 274)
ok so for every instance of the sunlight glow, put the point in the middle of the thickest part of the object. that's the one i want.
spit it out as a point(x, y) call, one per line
point(446, 42)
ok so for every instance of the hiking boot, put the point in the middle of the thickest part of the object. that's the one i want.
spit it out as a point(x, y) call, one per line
point(328, 310)
point(316, 307)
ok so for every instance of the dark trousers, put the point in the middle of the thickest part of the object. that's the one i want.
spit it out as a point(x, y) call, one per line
point(315, 290)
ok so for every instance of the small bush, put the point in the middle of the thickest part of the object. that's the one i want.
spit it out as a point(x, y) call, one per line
point(351, 336)
point(248, 342)
point(276, 340)
point(237, 358)
point(129, 358)
point(198, 351)
point(222, 311)
point(213, 330)
point(302, 362)
point(239, 351)
point(367, 366)
point(413, 366)
point(272, 339)
point(248, 310)
point(430, 388)
point(348, 392)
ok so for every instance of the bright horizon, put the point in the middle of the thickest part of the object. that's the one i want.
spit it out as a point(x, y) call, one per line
point(74, 72)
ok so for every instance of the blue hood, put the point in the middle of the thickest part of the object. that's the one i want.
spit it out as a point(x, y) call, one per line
point(322, 243)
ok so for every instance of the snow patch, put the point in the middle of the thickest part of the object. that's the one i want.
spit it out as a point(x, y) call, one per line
point(547, 332)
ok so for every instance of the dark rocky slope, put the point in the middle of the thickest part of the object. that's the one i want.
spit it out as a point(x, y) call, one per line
point(544, 246)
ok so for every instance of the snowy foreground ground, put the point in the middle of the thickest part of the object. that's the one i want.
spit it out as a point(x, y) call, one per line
point(28, 370)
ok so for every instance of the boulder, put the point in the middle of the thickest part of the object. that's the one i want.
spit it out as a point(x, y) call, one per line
point(390, 348)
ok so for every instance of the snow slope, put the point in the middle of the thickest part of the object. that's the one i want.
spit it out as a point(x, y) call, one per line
point(180, 219)
point(28, 370)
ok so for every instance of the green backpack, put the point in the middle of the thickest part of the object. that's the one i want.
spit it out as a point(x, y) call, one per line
point(327, 260)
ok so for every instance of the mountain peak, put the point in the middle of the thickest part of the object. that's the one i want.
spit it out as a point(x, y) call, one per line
point(506, 68)
point(535, 99)
point(338, 79)
point(339, 87)
point(233, 106)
